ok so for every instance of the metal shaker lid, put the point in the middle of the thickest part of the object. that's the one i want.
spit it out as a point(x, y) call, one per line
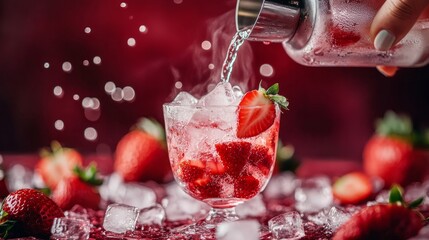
point(269, 20)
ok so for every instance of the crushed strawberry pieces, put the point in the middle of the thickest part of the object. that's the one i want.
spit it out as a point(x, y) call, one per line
point(257, 110)
point(207, 177)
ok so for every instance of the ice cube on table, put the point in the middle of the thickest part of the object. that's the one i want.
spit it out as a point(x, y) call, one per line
point(184, 98)
point(337, 217)
point(320, 218)
point(251, 208)
point(221, 95)
point(19, 177)
point(120, 218)
point(238, 230)
point(110, 187)
point(184, 208)
point(70, 229)
point(136, 195)
point(281, 185)
point(153, 215)
point(77, 212)
point(287, 226)
point(382, 197)
point(313, 194)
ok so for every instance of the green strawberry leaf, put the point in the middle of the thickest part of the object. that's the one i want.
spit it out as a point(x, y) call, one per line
point(395, 195)
point(6, 227)
point(273, 90)
point(416, 203)
point(88, 175)
point(286, 159)
point(272, 94)
point(152, 127)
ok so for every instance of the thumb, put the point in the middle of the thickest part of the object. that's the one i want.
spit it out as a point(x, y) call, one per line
point(393, 21)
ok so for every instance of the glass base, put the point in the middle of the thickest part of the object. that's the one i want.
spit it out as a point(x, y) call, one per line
point(205, 228)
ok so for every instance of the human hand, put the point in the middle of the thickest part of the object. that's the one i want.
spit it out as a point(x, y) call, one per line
point(392, 22)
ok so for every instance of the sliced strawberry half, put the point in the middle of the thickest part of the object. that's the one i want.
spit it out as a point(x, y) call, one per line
point(352, 188)
point(257, 111)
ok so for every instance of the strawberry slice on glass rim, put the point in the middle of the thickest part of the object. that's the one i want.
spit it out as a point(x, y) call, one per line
point(257, 110)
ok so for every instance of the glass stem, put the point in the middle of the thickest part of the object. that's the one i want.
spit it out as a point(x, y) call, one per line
point(218, 215)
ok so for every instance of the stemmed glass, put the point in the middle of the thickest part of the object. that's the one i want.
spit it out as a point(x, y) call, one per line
point(212, 164)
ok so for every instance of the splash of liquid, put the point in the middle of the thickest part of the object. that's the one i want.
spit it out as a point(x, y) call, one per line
point(231, 54)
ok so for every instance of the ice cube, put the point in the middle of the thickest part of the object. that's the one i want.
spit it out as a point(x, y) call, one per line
point(313, 194)
point(287, 226)
point(253, 208)
point(238, 93)
point(19, 177)
point(70, 228)
point(184, 99)
point(120, 218)
point(238, 230)
point(110, 187)
point(281, 185)
point(153, 215)
point(320, 218)
point(337, 217)
point(181, 208)
point(221, 95)
point(382, 197)
point(77, 212)
point(136, 195)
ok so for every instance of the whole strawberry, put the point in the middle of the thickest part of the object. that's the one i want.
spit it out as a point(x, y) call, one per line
point(394, 221)
point(79, 189)
point(57, 164)
point(396, 153)
point(141, 154)
point(28, 212)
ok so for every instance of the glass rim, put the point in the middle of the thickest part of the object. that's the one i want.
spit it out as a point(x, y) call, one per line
point(194, 106)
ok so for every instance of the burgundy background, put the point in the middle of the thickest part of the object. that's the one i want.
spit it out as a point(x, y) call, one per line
point(332, 110)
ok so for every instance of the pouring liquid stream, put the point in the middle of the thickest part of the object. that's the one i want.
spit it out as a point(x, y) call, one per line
point(231, 55)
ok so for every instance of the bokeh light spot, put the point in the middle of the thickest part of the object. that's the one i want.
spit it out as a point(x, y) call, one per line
point(67, 67)
point(58, 91)
point(46, 65)
point(59, 125)
point(109, 87)
point(143, 29)
point(131, 42)
point(266, 70)
point(211, 66)
point(178, 85)
point(87, 30)
point(90, 134)
point(206, 45)
point(85, 63)
point(118, 94)
point(129, 93)
point(76, 97)
point(96, 60)
point(123, 5)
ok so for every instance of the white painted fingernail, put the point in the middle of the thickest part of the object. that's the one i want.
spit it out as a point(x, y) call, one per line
point(384, 40)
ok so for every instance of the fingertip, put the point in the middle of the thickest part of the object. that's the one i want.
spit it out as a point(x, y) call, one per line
point(387, 71)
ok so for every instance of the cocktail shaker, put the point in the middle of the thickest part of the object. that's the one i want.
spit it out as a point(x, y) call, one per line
point(330, 32)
